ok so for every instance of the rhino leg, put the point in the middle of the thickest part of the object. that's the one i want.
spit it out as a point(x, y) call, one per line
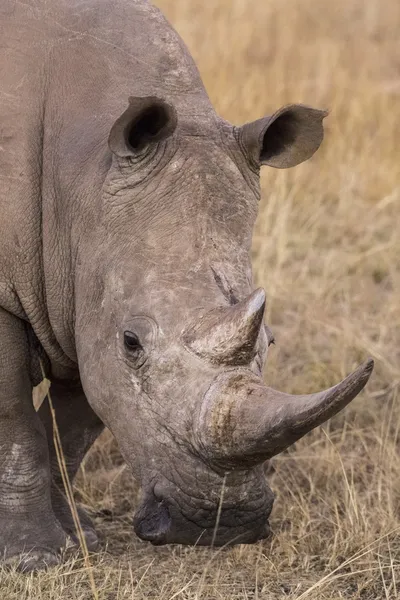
point(29, 530)
point(79, 427)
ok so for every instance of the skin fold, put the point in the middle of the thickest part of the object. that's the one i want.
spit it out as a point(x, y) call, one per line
point(127, 209)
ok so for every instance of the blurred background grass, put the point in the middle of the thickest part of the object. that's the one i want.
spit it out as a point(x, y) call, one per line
point(327, 250)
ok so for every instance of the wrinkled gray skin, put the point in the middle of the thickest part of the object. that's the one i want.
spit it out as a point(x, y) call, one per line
point(125, 241)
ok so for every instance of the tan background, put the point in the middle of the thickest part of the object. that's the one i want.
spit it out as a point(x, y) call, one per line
point(327, 249)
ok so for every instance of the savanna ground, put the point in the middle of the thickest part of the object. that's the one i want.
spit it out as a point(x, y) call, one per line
point(327, 249)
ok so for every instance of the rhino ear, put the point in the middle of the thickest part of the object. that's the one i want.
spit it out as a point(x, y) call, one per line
point(146, 121)
point(287, 138)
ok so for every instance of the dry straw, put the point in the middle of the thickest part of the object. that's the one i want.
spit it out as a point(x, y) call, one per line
point(70, 493)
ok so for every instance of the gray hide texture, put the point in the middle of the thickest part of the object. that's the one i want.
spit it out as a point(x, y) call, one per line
point(127, 210)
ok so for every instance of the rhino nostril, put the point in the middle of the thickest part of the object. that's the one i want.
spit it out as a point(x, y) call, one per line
point(153, 523)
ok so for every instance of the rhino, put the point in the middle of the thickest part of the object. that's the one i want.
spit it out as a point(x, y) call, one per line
point(127, 210)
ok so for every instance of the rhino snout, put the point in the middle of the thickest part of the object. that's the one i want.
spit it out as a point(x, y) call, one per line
point(163, 522)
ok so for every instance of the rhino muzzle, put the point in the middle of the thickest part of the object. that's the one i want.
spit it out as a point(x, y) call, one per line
point(161, 521)
point(240, 423)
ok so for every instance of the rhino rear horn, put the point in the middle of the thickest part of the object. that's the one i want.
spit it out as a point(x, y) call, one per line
point(229, 335)
point(146, 121)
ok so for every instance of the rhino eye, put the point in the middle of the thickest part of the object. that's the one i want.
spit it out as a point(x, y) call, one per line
point(132, 342)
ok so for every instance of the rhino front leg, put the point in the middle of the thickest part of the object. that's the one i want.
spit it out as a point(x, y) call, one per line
point(79, 427)
point(29, 530)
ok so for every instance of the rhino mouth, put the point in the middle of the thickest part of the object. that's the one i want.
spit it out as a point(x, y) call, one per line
point(163, 530)
point(164, 522)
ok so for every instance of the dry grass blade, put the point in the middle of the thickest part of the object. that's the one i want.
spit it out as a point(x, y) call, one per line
point(330, 577)
point(70, 493)
point(217, 520)
point(326, 248)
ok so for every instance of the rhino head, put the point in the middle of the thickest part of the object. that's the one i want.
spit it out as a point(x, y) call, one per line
point(169, 329)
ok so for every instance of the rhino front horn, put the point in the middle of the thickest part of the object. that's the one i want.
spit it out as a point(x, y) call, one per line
point(228, 335)
point(242, 422)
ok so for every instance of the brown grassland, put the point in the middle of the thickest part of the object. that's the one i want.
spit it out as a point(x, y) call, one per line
point(327, 249)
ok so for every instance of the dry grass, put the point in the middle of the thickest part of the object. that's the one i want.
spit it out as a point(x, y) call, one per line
point(327, 248)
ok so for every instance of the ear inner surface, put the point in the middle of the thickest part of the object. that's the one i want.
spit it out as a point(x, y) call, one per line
point(290, 136)
point(146, 120)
